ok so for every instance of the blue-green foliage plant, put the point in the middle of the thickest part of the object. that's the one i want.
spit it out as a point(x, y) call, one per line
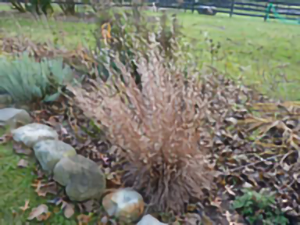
point(27, 80)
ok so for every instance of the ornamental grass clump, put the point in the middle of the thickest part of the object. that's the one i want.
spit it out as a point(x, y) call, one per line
point(159, 125)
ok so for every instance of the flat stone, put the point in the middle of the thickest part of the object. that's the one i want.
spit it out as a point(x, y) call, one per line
point(150, 220)
point(49, 152)
point(12, 117)
point(82, 177)
point(126, 204)
point(32, 133)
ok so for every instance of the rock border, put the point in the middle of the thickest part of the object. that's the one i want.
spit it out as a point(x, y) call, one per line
point(135, 207)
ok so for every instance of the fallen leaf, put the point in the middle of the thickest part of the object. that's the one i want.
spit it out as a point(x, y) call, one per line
point(37, 184)
point(44, 217)
point(38, 211)
point(26, 206)
point(63, 130)
point(113, 222)
point(206, 220)
point(229, 190)
point(83, 219)
point(105, 159)
point(44, 189)
point(19, 149)
point(52, 121)
point(63, 204)
point(69, 211)
point(88, 206)
point(228, 216)
point(5, 138)
point(191, 207)
point(14, 213)
point(48, 189)
point(191, 218)
point(229, 220)
point(104, 220)
point(23, 163)
point(217, 202)
point(56, 210)
point(80, 207)
point(114, 178)
point(56, 201)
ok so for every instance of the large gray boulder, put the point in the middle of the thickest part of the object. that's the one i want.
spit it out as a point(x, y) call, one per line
point(82, 177)
point(49, 152)
point(12, 117)
point(32, 133)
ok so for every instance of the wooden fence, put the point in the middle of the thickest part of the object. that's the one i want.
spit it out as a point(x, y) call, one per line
point(259, 8)
point(280, 9)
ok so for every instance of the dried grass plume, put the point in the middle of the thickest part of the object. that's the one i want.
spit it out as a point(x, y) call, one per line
point(159, 124)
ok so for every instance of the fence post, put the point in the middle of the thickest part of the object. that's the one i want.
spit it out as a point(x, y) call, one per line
point(268, 9)
point(193, 9)
point(232, 7)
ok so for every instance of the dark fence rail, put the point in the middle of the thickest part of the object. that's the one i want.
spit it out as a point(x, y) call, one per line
point(289, 10)
point(278, 10)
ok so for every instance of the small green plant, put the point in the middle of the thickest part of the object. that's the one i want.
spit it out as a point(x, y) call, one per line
point(27, 80)
point(259, 207)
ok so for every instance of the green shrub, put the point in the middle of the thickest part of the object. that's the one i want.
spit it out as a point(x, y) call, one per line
point(27, 80)
point(259, 208)
point(34, 6)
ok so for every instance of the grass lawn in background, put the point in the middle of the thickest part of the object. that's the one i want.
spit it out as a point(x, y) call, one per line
point(5, 7)
point(266, 54)
point(69, 34)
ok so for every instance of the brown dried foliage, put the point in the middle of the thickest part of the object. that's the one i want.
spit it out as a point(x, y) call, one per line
point(79, 58)
point(160, 126)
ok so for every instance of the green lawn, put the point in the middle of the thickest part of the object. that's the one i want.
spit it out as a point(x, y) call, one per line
point(68, 34)
point(5, 7)
point(15, 189)
point(263, 52)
